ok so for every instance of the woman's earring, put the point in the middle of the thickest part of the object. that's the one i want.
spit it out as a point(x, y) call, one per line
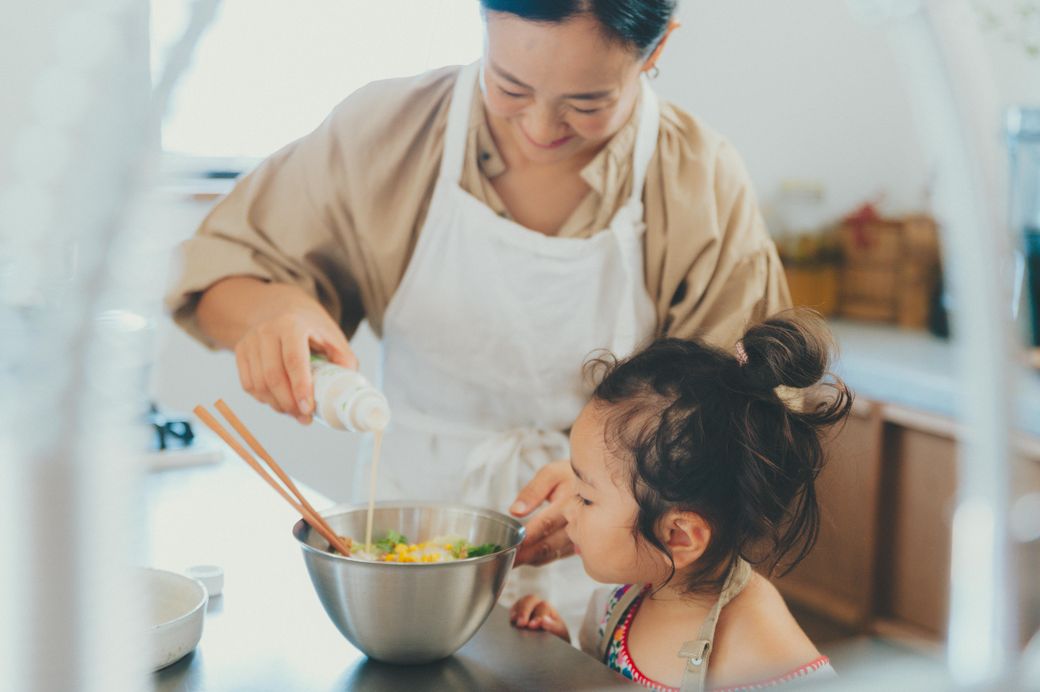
point(653, 72)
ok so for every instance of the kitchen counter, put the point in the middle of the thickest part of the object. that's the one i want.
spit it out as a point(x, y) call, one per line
point(916, 370)
point(268, 631)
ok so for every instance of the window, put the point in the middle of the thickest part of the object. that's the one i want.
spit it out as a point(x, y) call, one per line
point(268, 71)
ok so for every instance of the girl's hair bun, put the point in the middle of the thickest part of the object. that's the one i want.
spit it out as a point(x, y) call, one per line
point(791, 349)
point(707, 432)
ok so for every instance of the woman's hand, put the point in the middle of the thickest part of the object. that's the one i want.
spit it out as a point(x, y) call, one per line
point(273, 328)
point(532, 613)
point(546, 539)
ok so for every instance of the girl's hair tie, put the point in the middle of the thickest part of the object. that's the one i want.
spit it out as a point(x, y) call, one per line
point(741, 354)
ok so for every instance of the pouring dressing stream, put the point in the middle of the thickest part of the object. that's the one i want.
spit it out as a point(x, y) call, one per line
point(345, 400)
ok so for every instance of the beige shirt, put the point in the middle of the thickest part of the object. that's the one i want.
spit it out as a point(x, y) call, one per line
point(338, 213)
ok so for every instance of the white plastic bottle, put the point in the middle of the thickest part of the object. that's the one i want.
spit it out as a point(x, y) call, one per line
point(345, 400)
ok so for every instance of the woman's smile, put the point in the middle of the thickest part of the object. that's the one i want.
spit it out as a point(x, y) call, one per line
point(555, 144)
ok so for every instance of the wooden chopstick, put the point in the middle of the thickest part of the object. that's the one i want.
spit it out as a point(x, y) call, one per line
point(243, 431)
point(308, 513)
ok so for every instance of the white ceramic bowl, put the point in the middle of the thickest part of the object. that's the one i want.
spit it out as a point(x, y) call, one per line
point(177, 609)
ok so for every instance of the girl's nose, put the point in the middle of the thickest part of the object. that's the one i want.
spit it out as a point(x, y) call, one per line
point(568, 509)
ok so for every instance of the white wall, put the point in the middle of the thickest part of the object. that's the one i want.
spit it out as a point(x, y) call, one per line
point(806, 91)
point(802, 89)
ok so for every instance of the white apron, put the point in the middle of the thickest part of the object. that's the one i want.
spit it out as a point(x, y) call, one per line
point(484, 341)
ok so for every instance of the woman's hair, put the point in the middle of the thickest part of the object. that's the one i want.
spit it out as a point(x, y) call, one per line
point(639, 24)
point(708, 432)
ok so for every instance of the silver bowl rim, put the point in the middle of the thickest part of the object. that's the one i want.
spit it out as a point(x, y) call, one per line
point(302, 526)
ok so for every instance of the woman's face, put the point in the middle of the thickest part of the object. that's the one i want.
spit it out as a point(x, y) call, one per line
point(557, 89)
point(601, 517)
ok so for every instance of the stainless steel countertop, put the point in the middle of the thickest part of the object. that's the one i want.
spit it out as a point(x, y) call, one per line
point(268, 630)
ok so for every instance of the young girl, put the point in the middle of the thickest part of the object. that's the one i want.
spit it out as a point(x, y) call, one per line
point(689, 467)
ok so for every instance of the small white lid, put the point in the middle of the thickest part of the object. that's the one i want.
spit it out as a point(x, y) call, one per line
point(211, 576)
point(371, 412)
point(363, 410)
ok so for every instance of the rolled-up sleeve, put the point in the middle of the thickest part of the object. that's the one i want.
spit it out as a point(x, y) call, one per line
point(272, 226)
point(743, 291)
point(335, 213)
point(712, 267)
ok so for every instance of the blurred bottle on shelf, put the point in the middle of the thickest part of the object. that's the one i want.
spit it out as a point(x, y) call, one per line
point(1023, 141)
point(807, 245)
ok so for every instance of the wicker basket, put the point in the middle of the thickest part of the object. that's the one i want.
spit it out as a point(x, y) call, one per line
point(890, 270)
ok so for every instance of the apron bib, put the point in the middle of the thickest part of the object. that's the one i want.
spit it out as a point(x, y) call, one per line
point(697, 651)
point(484, 339)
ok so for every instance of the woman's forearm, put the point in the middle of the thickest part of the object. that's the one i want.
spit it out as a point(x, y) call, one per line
point(231, 307)
point(273, 328)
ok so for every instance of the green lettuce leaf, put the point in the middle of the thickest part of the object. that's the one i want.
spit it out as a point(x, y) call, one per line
point(485, 549)
point(392, 539)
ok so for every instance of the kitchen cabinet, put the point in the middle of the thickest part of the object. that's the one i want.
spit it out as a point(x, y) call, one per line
point(915, 516)
point(881, 564)
point(836, 577)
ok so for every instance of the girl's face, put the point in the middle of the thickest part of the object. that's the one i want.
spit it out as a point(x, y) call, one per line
point(602, 515)
point(556, 90)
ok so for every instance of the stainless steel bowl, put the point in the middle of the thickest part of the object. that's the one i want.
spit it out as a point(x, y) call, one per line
point(410, 613)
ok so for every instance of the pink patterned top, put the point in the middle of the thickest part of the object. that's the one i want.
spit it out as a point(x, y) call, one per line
point(620, 660)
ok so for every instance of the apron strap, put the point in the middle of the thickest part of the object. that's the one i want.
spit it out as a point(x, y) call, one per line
point(698, 651)
point(616, 613)
point(454, 150)
point(646, 139)
point(628, 225)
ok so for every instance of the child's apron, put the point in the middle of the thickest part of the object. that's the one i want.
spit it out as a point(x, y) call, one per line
point(695, 651)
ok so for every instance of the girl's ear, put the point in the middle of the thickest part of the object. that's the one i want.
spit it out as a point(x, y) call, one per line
point(687, 536)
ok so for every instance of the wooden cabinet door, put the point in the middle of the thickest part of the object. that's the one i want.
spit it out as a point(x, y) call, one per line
point(914, 567)
point(836, 580)
point(919, 497)
point(1025, 523)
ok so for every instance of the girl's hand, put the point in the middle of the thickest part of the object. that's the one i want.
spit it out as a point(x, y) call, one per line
point(532, 613)
point(545, 538)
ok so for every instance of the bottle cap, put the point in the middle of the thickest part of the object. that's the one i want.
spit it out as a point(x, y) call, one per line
point(211, 576)
point(371, 411)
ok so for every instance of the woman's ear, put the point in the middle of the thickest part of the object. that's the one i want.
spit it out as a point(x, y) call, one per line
point(687, 535)
point(651, 61)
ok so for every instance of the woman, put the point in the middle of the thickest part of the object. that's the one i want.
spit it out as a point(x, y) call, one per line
point(495, 224)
